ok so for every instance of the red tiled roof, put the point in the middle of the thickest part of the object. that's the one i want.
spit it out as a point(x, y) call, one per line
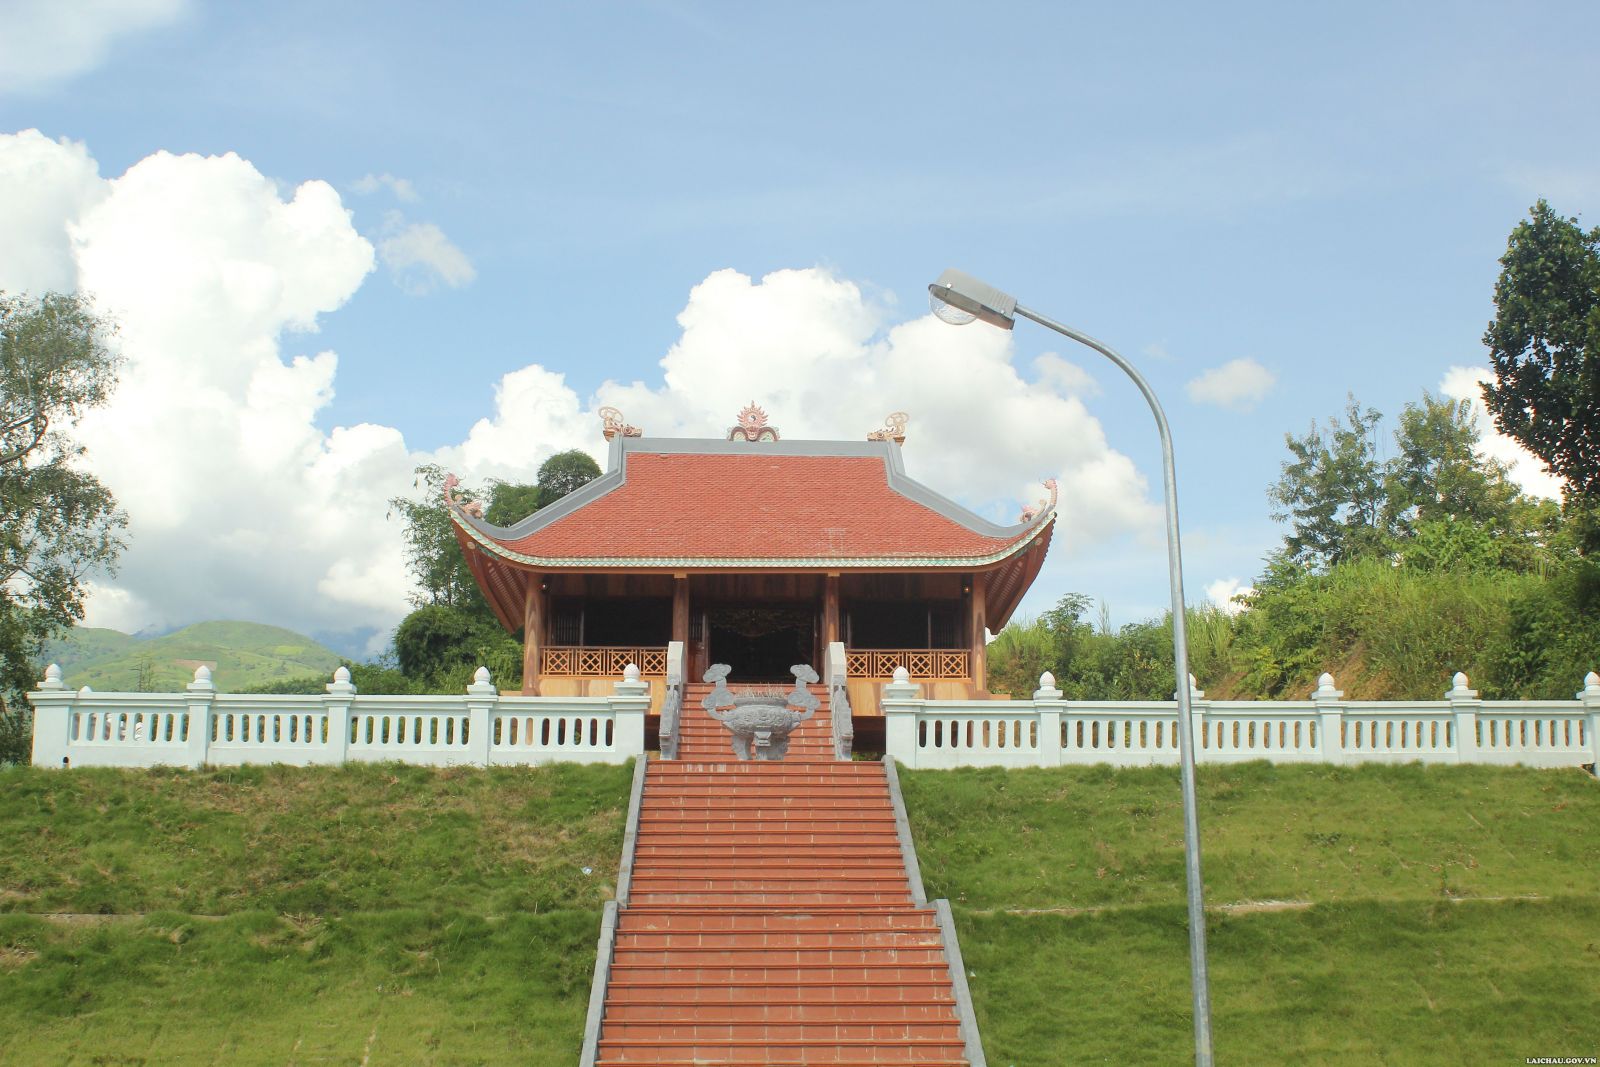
point(753, 507)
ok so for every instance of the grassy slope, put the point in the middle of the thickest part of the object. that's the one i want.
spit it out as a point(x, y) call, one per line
point(278, 915)
point(245, 654)
point(1068, 887)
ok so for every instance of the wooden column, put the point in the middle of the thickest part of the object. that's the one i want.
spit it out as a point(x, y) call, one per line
point(830, 610)
point(532, 632)
point(680, 610)
point(980, 617)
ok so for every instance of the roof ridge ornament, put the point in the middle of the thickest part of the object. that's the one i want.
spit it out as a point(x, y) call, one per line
point(894, 428)
point(613, 425)
point(752, 425)
point(469, 507)
point(1033, 511)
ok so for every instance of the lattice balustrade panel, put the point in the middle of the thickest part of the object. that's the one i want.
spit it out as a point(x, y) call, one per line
point(918, 662)
point(596, 661)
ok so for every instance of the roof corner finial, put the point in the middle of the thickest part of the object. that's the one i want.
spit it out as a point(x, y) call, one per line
point(613, 425)
point(469, 507)
point(1033, 511)
point(894, 428)
point(752, 425)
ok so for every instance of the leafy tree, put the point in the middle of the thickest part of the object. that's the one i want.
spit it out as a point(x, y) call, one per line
point(1437, 473)
point(510, 502)
point(1331, 491)
point(433, 555)
point(57, 523)
point(440, 647)
point(453, 631)
point(1544, 343)
point(564, 472)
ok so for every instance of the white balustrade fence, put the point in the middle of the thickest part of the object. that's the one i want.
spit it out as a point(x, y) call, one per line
point(1048, 731)
point(83, 728)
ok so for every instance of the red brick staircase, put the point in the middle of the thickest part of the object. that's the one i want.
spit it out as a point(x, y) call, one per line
point(771, 919)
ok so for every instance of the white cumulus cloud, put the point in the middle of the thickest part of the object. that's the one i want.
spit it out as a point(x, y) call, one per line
point(44, 42)
point(1221, 593)
point(241, 506)
point(1526, 469)
point(421, 257)
point(1239, 385)
point(826, 363)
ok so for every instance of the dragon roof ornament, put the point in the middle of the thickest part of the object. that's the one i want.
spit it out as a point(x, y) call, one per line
point(1031, 511)
point(894, 428)
point(613, 425)
point(470, 507)
point(752, 425)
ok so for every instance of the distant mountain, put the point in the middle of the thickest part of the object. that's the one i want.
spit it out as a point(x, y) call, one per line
point(240, 655)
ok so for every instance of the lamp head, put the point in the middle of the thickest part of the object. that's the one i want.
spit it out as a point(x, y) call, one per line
point(960, 298)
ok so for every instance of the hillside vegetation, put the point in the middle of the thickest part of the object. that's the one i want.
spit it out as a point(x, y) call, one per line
point(241, 655)
point(1393, 575)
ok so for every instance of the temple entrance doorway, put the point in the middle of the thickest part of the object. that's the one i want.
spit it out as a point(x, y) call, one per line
point(761, 643)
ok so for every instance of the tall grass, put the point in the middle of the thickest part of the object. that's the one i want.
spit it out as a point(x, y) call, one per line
point(1386, 632)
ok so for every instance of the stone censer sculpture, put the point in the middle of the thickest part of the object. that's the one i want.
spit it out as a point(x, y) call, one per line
point(760, 722)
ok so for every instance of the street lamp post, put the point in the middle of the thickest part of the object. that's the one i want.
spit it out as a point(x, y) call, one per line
point(958, 299)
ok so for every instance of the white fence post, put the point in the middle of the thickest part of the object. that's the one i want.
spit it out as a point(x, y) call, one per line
point(52, 720)
point(900, 708)
point(1047, 703)
point(336, 706)
point(630, 703)
point(199, 702)
point(1330, 718)
point(1591, 704)
point(482, 696)
point(1464, 705)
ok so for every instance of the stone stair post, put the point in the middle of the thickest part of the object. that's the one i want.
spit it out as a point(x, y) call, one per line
point(630, 703)
point(199, 701)
point(1330, 718)
point(902, 703)
point(52, 720)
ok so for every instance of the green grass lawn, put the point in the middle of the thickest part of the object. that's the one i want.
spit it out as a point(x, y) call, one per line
point(398, 915)
point(1440, 916)
point(380, 914)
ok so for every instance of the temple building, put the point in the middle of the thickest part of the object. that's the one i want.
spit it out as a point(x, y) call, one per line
point(756, 552)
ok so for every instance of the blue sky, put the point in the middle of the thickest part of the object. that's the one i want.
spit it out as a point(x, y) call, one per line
point(1321, 193)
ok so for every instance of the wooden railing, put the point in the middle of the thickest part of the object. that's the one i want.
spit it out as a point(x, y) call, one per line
point(601, 661)
point(921, 663)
